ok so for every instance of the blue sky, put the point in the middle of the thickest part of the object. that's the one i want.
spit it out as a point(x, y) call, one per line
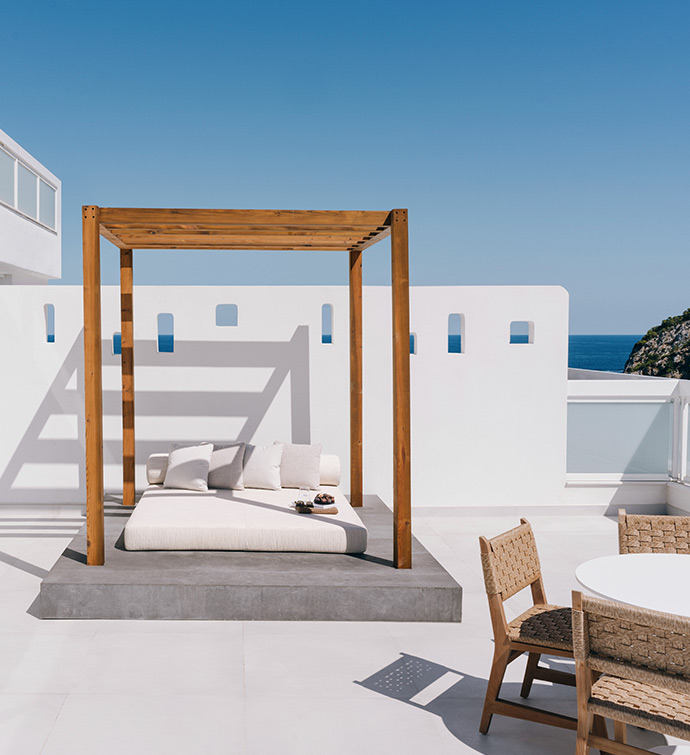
point(532, 142)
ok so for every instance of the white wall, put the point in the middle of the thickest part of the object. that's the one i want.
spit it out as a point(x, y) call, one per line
point(30, 252)
point(488, 425)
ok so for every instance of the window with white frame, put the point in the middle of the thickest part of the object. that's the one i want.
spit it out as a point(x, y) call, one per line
point(6, 178)
point(25, 191)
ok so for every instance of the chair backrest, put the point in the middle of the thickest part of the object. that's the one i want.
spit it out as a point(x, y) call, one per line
point(641, 533)
point(510, 561)
point(632, 643)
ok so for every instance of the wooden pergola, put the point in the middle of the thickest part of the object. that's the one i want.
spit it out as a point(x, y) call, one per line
point(346, 231)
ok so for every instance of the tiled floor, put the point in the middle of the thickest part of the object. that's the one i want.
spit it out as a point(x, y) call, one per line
point(133, 687)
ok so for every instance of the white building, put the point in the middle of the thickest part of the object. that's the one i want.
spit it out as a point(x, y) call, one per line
point(30, 217)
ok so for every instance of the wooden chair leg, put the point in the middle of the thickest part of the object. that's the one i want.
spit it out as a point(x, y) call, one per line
point(498, 670)
point(530, 671)
point(584, 723)
point(620, 733)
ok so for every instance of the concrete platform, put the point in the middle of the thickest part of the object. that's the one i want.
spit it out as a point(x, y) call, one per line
point(245, 586)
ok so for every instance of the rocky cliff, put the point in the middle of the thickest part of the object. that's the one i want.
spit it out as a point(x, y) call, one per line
point(664, 351)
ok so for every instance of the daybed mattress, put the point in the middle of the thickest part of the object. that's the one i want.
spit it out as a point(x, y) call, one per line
point(240, 520)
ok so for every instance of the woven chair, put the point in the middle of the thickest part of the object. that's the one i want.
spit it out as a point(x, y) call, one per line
point(638, 533)
point(511, 563)
point(643, 658)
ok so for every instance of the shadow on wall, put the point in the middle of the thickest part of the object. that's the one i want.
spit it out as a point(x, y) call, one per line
point(66, 397)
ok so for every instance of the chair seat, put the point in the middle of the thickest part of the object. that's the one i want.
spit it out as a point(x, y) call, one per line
point(551, 626)
point(656, 708)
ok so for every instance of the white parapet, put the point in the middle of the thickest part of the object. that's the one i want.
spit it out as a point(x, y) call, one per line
point(488, 424)
point(30, 217)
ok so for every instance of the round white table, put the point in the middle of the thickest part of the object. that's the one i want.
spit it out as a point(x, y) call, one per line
point(658, 581)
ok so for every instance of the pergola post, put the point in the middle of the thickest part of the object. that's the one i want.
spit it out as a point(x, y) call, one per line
point(93, 386)
point(356, 459)
point(402, 528)
point(127, 358)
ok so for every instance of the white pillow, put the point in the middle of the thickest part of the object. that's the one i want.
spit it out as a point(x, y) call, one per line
point(156, 466)
point(188, 466)
point(330, 469)
point(225, 470)
point(262, 466)
point(300, 465)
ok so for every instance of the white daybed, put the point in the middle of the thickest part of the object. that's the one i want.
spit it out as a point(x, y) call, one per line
point(238, 520)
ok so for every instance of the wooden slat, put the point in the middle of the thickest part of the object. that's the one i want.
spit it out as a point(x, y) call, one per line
point(356, 458)
point(402, 541)
point(127, 359)
point(526, 647)
point(525, 712)
point(356, 230)
point(553, 675)
point(93, 388)
point(139, 239)
point(227, 232)
point(131, 215)
point(603, 744)
point(211, 245)
point(112, 237)
point(372, 239)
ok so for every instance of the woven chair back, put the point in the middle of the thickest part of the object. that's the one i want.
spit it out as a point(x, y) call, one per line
point(633, 643)
point(638, 533)
point(512, 563)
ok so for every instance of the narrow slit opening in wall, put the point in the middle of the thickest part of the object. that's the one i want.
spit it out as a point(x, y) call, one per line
point(413, 343)
point(49, 313)
point(117, 343)
point(226, 315)
point(522, 331)
point(456, 333)
point(166, 333)
point(327, 323)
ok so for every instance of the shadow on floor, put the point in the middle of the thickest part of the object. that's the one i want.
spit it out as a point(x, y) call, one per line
point(457, 698)
point(25, 566)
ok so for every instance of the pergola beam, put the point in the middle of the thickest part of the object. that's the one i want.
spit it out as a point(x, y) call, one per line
point(268, 218)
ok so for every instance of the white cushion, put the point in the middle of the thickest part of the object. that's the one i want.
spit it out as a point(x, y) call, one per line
point(225, 470)
point(156, 467)
point(300, 465)
point(262, 466)
point(329, 469)
point(188, 466)
point(250, 520)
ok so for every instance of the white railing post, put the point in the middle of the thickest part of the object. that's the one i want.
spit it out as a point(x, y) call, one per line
point(676, 439)
point(683, 440)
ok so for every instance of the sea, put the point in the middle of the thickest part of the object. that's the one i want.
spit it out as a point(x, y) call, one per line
point(607, 353)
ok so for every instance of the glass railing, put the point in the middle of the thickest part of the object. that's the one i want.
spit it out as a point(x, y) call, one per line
point(624, 438)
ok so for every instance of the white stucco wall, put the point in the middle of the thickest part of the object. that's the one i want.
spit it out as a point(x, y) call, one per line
point(488, 425)
point(30, 252)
